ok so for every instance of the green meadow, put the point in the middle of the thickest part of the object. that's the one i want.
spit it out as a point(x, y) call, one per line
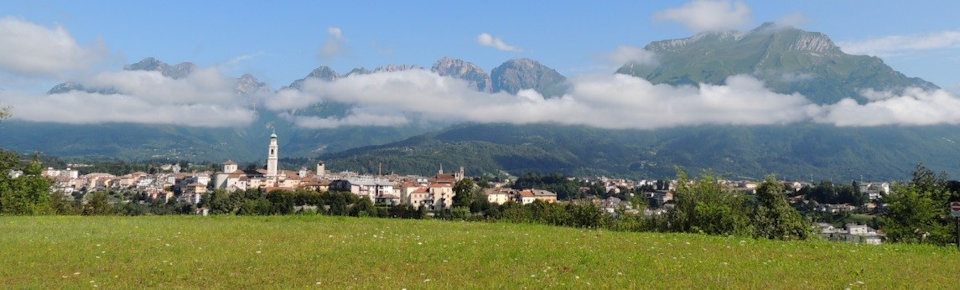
point(346, 252)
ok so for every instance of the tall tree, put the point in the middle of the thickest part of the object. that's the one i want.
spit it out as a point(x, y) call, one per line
point(917, 211)
point(28, 194)
point(463, 192)
point(773, 217)
point(705, 206)
point(99, 204)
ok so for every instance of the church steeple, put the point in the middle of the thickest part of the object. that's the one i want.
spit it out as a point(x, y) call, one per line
point(272, 156)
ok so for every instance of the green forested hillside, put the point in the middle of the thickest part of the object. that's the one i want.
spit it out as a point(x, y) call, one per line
point(804, 151)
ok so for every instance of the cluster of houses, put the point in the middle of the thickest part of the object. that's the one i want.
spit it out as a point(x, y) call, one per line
point(432, 192)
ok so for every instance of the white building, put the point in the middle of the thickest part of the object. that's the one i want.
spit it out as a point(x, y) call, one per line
point(852, 233)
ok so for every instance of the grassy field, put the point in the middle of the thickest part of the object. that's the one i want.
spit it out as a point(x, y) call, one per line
point(344, 252)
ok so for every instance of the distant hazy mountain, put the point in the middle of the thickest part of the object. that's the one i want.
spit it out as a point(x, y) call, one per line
point(357, 71)
point(178, 71)
point(787, 59)
point(72, 86)
point(521, 74)
point(464, 70)
point(321, 73)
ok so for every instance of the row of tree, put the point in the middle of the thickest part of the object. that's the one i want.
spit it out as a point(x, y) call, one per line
point(705, 206)
point(828, 192)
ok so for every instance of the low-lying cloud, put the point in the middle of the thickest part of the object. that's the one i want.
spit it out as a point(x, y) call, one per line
point(205, 98)
point(913, 107)
point(606, 101)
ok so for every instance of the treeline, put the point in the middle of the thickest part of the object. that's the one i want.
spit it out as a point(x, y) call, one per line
point(565, 188)
point(828, 192)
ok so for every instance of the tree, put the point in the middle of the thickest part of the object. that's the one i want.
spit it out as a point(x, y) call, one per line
point(463, 192)
point(917, 211)
point(363, 208)
point(704, 206)
point(773, 217)
point(99, 204)
point(28, 194)
point(5, 112)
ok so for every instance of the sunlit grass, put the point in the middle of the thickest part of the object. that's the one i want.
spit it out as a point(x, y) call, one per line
point(340, 252)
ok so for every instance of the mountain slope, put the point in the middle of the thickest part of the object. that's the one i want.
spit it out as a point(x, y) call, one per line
point(521, 74)
point(787, 59)
point(802, 151)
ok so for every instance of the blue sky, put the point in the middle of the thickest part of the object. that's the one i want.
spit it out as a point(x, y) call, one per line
point(279, 41)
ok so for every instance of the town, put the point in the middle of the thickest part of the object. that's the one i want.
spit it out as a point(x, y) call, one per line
point(615, 196)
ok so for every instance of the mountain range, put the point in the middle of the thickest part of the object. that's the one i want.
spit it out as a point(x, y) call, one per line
point(787, 60)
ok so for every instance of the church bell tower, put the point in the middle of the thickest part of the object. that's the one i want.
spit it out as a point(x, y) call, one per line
point(272, 157)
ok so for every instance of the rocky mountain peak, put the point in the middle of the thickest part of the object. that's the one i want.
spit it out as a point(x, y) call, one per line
point(322, 73)
point(178, 71)
point(464, 70)
point(357, 71)
point(247, 84)
point(520, 74)
point(396, 68)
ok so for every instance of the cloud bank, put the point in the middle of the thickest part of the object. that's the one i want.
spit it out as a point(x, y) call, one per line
point(709, 15)
point(33, 50)
point(900, 44)
point(205, 98)
point(486, 39)
point(605, 101)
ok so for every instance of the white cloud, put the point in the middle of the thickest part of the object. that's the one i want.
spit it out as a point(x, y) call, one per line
point(333, 46)
point(237, 60)
point(795, 19)
point(901, 44)
point(630, 54)
point(486, 39)
point(602, 100)
point(88, 108)
point(708, 15)
point(335, 32)
point(33, 50)
point(205, 98)
point(607, 101)
point(914, 107)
